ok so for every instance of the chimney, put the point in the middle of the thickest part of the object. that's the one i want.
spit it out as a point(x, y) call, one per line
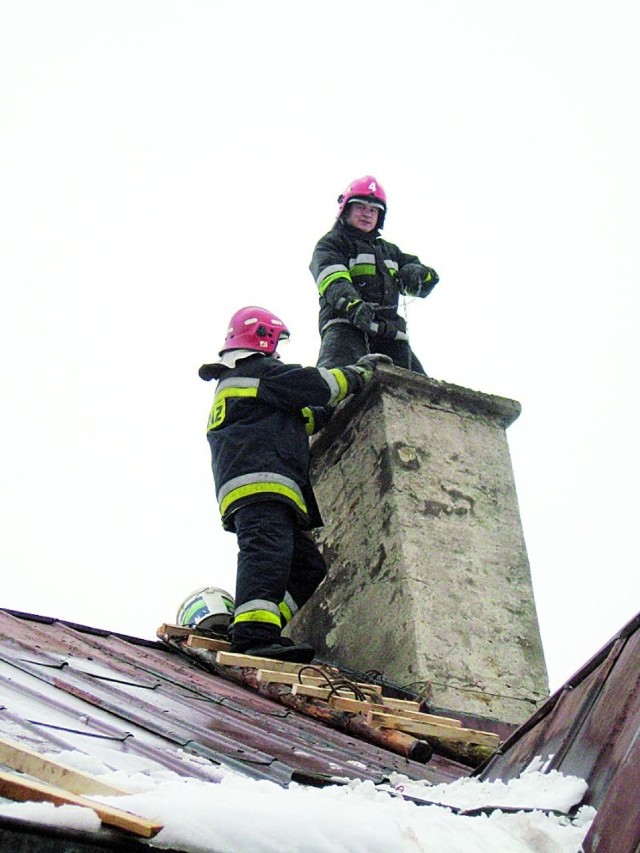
point(429, 580)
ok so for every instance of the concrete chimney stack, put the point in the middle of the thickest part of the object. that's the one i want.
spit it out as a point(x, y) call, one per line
point(429, 579)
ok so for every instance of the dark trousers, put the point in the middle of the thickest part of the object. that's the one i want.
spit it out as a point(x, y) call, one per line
point(343, 344)
point(275, 557)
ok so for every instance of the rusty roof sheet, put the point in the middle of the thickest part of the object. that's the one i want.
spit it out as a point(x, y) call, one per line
point(136, 704)
point(590, 728)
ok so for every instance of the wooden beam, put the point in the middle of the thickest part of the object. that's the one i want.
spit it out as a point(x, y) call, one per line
point(355, 725)
point(194, 638)
point(420, 716)
point(344, 700)
point(25, 760)
point(454, 733)
point(401, 704)
point(168, 630)
point(231, 659)
point(267, 676)
point(357, 707)
point(320, 692)
point(195, 641)
point(351, 705)
point(22, 789)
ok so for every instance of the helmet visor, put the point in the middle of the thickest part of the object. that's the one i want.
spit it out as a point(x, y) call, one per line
point(367, 202)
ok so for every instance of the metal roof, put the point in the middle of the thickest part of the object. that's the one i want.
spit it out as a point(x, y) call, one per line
point(590, 728)
point(139, 706)
point(136, 704)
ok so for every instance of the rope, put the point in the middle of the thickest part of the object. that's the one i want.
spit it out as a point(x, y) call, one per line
point(423, 690)
point(427, 688)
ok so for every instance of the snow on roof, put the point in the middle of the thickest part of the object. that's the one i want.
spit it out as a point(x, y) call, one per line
point(217, 765)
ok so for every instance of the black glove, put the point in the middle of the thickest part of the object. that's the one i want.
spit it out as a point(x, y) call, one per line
point(418, 280)
point(386, 328)
point(366, 365)
point(372, 360)
point(361, 314)
point(429, 281)
point(392, 330)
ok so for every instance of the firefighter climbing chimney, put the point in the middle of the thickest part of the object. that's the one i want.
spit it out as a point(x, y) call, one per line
point(429, 579)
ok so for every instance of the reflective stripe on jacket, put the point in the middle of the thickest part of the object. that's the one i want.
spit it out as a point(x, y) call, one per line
point(349, 265)
point(262, 414)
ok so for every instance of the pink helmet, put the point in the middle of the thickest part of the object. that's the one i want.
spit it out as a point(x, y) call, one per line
point(256, 329)
point(364, 189)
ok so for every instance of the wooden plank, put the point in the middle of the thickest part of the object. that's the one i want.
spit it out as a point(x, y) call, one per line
point(232, 659)
point(420, 716)
point(358, 707)
point(168, 630)
point(271, 676)
point(353, 724)
point(353, 706)
point(195, 641)
point(401, 704)
point(267, 676)
point(324, 692)
point(193, 637)
point(454, 733)
point(22, 789)
point(408, 705)
point(25, 760)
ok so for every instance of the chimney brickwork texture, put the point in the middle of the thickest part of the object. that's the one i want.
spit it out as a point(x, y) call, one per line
point(429, 580)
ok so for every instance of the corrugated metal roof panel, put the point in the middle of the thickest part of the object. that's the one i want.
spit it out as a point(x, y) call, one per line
point(591, 729)
point(131, 701)
point(138, 706)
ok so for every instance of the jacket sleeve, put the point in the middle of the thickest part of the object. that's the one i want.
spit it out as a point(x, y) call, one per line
point(295, 388)
point(316, 417)
point(329, 268)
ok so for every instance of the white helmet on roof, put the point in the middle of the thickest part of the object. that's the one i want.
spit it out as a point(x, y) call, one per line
point(208, 609)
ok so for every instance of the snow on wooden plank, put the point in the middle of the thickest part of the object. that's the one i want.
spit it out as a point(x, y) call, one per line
point(23, 789)
point(25, 760)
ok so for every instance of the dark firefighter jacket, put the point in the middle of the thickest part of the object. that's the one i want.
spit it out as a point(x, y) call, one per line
point(349, 265)
point(262, 415)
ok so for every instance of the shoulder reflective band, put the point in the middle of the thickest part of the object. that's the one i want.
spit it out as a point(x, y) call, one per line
point(239, 387)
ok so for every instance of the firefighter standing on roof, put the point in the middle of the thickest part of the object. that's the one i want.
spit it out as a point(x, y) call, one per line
point(360, 277)
point(262, 415)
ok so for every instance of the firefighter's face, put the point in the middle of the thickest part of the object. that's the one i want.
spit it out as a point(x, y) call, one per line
point(362, 216)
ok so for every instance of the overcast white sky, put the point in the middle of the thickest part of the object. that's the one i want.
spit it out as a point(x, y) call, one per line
point(164, 162)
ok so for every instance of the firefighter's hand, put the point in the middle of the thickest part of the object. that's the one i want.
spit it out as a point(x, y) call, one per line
point(362, 315)
point(418, 280)
point(387, 329)
point(372, 360)
point(429, 281)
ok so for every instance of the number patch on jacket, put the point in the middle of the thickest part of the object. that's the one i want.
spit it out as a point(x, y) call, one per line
point(217, 414)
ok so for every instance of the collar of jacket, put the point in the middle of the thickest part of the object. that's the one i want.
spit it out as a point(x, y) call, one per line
point(228, 361)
